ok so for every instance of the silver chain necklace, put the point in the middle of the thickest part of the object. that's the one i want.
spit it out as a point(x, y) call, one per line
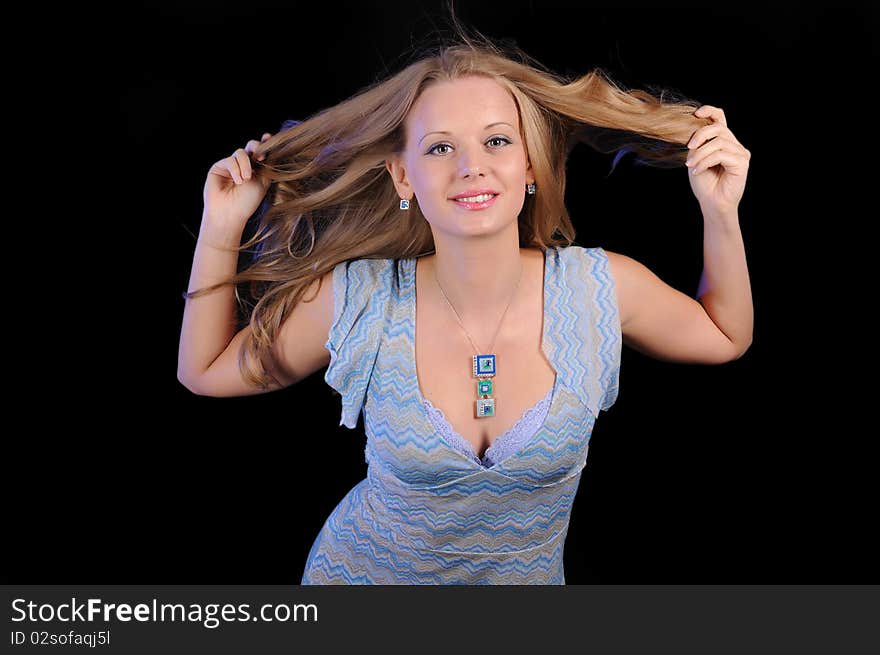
point(484, 367)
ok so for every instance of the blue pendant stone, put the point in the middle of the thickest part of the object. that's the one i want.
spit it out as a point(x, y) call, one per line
point(484, 365)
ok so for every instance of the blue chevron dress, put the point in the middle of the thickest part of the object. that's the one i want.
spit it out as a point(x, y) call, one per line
point(429, 511)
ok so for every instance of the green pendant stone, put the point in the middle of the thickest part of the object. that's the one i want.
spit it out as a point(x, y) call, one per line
point(484, 387)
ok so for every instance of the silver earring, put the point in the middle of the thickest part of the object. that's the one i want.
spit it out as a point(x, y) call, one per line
point(530, 189)
point(404, 203)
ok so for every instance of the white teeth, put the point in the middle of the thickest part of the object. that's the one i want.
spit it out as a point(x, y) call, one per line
point(482, 198)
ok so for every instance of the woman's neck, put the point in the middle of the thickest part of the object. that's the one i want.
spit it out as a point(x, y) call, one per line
point(478, 282)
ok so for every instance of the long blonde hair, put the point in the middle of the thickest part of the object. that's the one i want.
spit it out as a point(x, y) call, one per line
point(331, 198)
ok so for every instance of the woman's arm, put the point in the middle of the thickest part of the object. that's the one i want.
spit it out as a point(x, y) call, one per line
point(209, 321)
point(725, 290)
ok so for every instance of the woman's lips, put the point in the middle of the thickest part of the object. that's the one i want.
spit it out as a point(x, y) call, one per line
point(476, 205)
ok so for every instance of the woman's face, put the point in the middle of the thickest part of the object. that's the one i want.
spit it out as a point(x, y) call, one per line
point(435, 167)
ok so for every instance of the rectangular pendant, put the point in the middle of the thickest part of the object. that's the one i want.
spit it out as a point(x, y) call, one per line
point(484, 365)
point(485, 407)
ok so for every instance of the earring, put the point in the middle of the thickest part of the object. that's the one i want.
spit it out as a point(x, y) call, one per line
point(530, 189)
point(404, 203)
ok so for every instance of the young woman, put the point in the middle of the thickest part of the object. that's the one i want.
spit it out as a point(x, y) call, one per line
point(424, 219)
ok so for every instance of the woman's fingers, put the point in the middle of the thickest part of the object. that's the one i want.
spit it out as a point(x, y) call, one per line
point(251, 146)
point(266, 135)
point(239, 164)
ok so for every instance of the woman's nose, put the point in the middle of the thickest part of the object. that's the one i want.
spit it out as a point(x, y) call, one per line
point(471, 157)
point(470, 163)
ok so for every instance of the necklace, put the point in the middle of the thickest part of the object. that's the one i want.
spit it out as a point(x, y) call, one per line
point(483, 367)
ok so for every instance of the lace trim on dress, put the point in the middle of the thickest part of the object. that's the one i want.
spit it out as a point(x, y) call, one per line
point(506, 444)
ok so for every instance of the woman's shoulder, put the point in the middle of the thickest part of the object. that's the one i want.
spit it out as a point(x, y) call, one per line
point(592, 259)
point(367, 263)
point(365, 269)
point(575, 250)
point(357, 282)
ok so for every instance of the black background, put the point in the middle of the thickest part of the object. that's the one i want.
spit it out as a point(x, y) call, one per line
point(757, 471)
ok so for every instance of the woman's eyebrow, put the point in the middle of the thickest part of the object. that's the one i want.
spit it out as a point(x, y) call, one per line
point(444, 132)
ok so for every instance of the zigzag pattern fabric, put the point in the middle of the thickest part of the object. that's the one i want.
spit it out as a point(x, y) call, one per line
point(427, 513)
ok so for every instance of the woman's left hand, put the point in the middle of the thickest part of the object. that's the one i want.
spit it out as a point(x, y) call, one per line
point(718, 164)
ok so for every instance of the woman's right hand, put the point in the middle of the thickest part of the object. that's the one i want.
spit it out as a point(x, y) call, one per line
point(233, 191)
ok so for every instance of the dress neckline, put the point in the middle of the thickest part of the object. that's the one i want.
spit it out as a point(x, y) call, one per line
point(507, 440)
point(496, 441)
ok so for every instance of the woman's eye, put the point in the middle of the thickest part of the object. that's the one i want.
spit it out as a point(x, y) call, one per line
point(446, 145)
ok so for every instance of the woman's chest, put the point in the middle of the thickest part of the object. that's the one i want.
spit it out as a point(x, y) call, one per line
point(444, 364)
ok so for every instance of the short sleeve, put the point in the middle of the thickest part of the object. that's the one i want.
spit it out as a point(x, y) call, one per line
point(361, 290)
point(589, 327)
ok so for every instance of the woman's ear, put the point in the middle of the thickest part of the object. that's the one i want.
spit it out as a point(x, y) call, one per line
point(398, 175)
point(530, 174)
